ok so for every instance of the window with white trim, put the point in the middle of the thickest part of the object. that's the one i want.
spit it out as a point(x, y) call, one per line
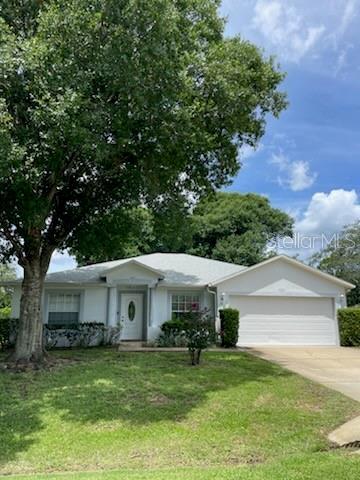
point(64, 309)
point(182, 303)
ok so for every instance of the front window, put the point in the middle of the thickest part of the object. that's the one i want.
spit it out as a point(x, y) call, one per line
point(64, 309)
point(183, 303)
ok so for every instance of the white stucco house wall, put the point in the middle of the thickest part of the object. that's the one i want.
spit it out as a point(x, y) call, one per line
point(281, 301)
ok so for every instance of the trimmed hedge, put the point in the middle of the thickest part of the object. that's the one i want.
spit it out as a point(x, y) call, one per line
point(229, 333)
point(349, 325)
point(90, 334)
point(174, 327)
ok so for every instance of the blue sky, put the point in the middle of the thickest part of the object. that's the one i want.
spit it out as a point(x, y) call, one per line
point(308, 161)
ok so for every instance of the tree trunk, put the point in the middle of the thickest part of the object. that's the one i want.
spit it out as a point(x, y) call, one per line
point(29, 342)
point(198, 354)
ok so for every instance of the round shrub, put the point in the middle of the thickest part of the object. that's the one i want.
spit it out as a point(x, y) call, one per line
point(174, 327)
point(349, 326)
point(229, 333)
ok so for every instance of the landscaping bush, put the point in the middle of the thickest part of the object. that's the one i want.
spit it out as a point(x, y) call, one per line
point(229, 330)
point(174, 327)
point(199, 334)
point(194, 330)
point(8, 329)
point(349, 325)
point(5, 312)
point(172, 334)
point(169, 339)
point(87, 334)
point(4, 332)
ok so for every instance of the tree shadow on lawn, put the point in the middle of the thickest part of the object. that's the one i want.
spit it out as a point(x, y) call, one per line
point(19, 415)
point(104, 385)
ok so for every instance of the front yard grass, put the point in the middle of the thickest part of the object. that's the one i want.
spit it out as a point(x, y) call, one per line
point(132, 416)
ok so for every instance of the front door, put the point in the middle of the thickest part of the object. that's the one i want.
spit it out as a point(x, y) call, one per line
point(131, 316)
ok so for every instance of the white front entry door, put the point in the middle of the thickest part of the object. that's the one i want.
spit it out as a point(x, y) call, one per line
point(131, 315)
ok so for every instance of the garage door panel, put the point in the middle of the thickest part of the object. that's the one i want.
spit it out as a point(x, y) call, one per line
point(283, 328)
point(285, 321)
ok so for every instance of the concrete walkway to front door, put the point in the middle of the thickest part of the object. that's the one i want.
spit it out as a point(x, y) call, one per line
point(335, 367)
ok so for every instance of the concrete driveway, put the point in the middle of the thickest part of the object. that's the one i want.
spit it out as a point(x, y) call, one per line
point(335, 367)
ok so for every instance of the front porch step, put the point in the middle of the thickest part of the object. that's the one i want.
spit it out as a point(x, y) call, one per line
point(131, 345)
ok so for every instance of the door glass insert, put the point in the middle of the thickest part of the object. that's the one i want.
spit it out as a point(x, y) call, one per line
point(131, 310)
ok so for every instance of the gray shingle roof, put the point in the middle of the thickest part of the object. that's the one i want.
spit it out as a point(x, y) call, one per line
point(176, 268)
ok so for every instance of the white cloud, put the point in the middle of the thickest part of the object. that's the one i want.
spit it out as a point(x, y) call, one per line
point(61, 261)
point(286, 29)
point(340, 61)
point(297, 174)
point(246, 152)
point(323, 218)
point(300, 176)
point(349, 13)
point(324, 33)
point(329, 212)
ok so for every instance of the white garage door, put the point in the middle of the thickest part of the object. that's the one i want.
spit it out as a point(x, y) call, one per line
point(285, 321)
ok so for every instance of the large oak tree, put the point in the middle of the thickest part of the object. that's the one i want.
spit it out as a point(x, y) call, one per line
point(114, 103)
point(232, 227)
point(135, 231)
point(238, 228)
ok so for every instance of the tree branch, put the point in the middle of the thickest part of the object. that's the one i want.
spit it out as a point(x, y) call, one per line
point(56, 176)
point(15, 243)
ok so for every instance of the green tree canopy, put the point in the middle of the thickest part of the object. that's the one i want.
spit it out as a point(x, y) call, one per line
point(237, 228)
point(114, 104)
point(226, 226)
point(342, 259)
point(133, 232)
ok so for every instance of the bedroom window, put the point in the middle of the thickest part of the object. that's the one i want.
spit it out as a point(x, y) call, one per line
point(64, 309)
point(182, 303)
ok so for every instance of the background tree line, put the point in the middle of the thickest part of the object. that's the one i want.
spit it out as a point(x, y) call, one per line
point(231, 227)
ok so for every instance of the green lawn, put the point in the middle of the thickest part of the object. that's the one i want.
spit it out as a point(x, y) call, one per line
point(150, 415)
